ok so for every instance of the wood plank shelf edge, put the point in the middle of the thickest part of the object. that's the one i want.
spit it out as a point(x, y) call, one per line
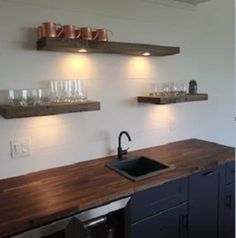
point(10, 112)
point(93, 46)
point(172, 99)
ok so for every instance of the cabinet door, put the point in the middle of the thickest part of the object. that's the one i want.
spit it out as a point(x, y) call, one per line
point(229, 211)
point(203, 204)
point(153, 200)
point(171, 223)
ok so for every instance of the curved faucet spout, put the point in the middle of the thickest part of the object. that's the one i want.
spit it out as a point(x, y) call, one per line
point(120, 151)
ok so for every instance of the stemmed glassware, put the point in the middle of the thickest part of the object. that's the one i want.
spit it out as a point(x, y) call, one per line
point(68, 91)
point(60, 91)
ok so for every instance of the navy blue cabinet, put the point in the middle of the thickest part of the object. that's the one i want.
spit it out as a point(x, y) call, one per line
point(229, 211)
point(159, 212)
point(203, 203)
point(151, 201)
point(171, 223)
point(227, 202)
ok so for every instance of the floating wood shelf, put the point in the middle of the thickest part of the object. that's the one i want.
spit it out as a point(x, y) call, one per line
point(9, 112)
point(93, 46)
point(172, 99)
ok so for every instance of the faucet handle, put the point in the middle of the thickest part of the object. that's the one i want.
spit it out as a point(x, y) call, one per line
point(125, 151)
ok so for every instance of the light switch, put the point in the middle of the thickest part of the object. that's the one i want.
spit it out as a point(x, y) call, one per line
point(20, 147)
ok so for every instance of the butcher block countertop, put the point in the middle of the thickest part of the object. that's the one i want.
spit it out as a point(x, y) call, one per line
point(39, 198)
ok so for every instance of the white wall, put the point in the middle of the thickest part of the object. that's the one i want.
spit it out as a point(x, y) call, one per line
point(205, 35)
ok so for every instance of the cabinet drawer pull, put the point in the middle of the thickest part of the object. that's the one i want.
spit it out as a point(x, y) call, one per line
point(208, 173)
point(184, 223)
point(228, 201)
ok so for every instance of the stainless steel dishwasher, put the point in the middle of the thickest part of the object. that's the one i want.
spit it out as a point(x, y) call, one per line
point(107, 221)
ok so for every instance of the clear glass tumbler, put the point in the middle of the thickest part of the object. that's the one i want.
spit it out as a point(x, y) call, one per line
point(44, 96)
point(81, 91)
point(32, 97)
point(55, 90)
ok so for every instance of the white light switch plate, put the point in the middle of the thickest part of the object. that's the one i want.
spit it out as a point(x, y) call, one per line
point(20, 148)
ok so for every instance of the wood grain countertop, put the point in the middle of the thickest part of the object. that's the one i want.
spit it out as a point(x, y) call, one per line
point(39, 198)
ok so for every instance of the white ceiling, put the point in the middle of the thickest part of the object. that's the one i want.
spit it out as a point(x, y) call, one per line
point(192, 1)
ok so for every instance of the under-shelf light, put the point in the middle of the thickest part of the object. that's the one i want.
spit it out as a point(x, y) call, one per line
point(146, 53)
point(82, 51)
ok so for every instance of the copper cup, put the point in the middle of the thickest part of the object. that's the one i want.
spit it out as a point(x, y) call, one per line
point(52, 29)
point(103, 34)
point(40, 32)
point(70, 32)
point(87, 33)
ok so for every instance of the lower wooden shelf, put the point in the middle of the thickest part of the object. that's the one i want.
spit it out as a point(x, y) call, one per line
point(9, 112)
point(173, 99)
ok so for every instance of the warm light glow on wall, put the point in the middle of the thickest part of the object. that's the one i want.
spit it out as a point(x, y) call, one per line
point(77, 66)
point(139, 67)
point(159, 116)
point(46, 131)
point(43, 121)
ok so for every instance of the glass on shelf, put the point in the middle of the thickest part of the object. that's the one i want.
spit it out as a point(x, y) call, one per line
point(44, 96)
point(20, 97)
point(81, 90)
point(68, 91)
point(168, 89)
point(60, 91)
point(32, 97)
point(155, 90)
point(55, 90)
point(11, 97)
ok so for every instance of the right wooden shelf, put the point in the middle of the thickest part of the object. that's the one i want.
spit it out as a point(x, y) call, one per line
point(173, 99)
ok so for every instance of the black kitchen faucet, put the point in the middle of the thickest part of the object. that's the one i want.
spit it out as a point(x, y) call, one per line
point(120, 151)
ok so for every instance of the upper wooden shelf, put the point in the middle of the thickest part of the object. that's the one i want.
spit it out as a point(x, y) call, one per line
point(172, 99)
point(10, 112)
point(93, 46)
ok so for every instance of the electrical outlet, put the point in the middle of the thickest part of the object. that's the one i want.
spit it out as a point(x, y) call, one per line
point(20, 148)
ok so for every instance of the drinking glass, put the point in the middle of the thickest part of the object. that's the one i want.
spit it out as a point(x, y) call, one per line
point(155, 89)
point(44, 96)
point(11, 97)
point(32, 97)
point(182, 88)
point(174, 89)
point(166, 88)
point(55, 90)
point(81, 90)
point(68, 90)
point(21, 96)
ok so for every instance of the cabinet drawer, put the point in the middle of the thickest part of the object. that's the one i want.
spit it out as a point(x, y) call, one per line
point(171, 223)
point(230, 172)
point(154, 200)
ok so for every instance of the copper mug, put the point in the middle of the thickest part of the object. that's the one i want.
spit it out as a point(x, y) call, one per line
point(41, 32)
point(51, 29)
point(103, 34)
point(70, 32)
point(87, 33)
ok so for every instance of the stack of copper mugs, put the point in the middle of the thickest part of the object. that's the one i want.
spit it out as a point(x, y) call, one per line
point(54, 30)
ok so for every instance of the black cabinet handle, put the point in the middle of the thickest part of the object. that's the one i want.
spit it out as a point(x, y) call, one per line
point(184, 223)
point(228, 201)
point(208, 173)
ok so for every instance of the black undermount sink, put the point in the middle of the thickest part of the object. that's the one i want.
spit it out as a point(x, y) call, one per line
point(139, 168)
